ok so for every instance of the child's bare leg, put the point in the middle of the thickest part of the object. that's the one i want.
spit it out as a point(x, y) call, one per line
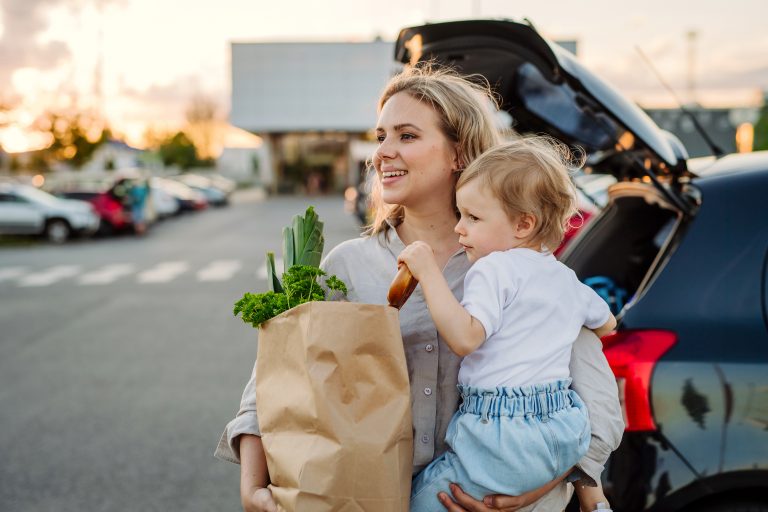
point(591, 498)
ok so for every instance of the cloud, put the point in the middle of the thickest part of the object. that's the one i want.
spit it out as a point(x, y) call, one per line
point(24, 21)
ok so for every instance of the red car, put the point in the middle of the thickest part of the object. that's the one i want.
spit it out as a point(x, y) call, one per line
point(113, 216)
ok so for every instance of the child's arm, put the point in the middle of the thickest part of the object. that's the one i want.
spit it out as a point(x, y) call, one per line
point(591, 498)
point(607, 327)
point(463, 333)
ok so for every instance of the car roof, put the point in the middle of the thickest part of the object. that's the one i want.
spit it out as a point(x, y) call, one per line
point(730, 164)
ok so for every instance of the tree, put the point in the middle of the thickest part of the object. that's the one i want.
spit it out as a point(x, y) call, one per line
point(75, 136)
point(761, 128)
point(203, 126)
point(179, 150)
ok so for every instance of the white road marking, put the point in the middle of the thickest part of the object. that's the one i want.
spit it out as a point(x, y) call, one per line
point(219, 270)
point(106, 275)
point(10, 273)
point(261, 273)
point(163, 272)
point(50, 276)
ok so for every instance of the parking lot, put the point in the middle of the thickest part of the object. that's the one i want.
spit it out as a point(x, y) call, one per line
point(120, 360)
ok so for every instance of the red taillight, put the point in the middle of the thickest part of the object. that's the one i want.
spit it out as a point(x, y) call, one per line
point(632, 356)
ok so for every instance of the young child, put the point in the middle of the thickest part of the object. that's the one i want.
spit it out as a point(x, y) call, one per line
point(519, 425)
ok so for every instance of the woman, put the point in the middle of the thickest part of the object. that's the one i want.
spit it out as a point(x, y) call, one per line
point(431, 124)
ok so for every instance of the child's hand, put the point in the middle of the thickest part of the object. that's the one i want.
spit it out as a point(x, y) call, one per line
point(420, 259)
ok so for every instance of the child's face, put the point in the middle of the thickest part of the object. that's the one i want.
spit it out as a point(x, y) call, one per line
point(484, 226)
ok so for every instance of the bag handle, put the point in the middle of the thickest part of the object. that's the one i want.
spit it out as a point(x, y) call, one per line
point(402, 287)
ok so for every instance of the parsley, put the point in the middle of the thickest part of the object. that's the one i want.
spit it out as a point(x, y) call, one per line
point(302, 249)
point(300, 285)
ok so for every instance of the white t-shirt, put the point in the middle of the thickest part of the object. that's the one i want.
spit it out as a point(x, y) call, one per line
point(532, 308)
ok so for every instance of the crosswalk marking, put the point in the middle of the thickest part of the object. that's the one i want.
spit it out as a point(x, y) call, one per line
point(163, 272)
point(220, 270)
point(10, 273)
point(49, 276)
point(106, 275)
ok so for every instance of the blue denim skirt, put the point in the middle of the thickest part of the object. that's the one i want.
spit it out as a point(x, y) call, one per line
point(506, 440)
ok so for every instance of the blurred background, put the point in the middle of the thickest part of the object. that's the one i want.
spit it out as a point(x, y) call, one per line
point(165, 144)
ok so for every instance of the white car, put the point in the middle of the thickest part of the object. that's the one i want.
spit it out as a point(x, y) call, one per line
point(25, 210)
point(165, 204)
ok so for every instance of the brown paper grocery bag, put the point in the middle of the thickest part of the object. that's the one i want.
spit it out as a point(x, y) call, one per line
point(333, 401)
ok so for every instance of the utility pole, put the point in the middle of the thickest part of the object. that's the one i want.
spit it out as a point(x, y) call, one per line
point(476, 8)
point(692, 36)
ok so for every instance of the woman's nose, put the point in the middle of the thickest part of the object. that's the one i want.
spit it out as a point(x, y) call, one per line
point(385, 149)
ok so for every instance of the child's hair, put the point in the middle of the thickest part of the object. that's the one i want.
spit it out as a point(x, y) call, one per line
point(530, 175)
point(465, 107)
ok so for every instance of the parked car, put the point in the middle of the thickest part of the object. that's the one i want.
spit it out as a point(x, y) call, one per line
point(681, 257)
point(188, 199)
point(163, 203)
point(25, 210)
point(213, 194)
point(113, 216)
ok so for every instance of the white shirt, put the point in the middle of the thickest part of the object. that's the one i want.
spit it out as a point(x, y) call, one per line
point(532, 308)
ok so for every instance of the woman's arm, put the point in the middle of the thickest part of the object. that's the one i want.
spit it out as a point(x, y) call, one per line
point(254, 477)
point(595, 383)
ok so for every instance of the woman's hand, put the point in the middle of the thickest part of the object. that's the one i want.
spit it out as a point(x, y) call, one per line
point(258, 500)
point(463, 502)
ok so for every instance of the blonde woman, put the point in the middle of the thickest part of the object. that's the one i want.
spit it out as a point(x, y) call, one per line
point(432, 123)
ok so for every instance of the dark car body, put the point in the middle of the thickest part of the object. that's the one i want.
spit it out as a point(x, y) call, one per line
point(688, 254)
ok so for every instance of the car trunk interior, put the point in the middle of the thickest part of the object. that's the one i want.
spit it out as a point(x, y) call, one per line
point(628, 241)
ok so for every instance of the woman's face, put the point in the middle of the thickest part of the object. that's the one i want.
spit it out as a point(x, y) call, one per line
point(414, 160)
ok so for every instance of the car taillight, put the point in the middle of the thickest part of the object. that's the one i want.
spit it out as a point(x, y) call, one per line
point(632, 355)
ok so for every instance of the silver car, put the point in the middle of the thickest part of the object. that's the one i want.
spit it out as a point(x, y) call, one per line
point(25, 210)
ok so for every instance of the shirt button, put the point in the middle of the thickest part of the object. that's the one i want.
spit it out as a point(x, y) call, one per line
point(425, 439)
point(427, 391)
point(429, 348)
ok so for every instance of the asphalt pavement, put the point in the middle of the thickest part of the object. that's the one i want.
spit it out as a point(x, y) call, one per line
point(121, 361)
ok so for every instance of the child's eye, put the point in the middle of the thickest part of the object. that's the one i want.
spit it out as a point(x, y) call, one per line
point(472, 218)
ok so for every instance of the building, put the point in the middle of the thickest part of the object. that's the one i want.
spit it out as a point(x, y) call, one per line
point(311, 103)
point(720, 124)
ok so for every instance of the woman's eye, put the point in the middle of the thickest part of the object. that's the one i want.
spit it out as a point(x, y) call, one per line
point(380, 138)
point(407, 136)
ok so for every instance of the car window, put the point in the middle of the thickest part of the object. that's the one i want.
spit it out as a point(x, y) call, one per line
point(11, 198)
point(38, 196)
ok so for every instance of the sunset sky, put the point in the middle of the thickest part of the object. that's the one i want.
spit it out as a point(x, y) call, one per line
point(157, 54)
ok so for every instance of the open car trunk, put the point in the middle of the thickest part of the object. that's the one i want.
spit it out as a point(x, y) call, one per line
point(628, 242)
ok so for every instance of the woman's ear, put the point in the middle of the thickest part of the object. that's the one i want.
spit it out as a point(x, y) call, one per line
point(458, 161)
point(526, 225)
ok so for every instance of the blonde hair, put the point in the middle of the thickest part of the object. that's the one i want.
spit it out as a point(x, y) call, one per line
point(530, 175)
point(465, 108)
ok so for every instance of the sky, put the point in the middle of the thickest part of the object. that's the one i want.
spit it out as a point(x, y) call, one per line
point(140, 62)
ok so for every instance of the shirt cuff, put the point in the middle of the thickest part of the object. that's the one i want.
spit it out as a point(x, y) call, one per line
point(228, 448)
point(587, 471)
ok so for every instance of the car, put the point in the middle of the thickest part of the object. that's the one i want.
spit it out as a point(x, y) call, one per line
point(189, 200)
point(213, 194)
point(26, 210)
point(164, 204)
point(681, 257)
point(114, 217)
